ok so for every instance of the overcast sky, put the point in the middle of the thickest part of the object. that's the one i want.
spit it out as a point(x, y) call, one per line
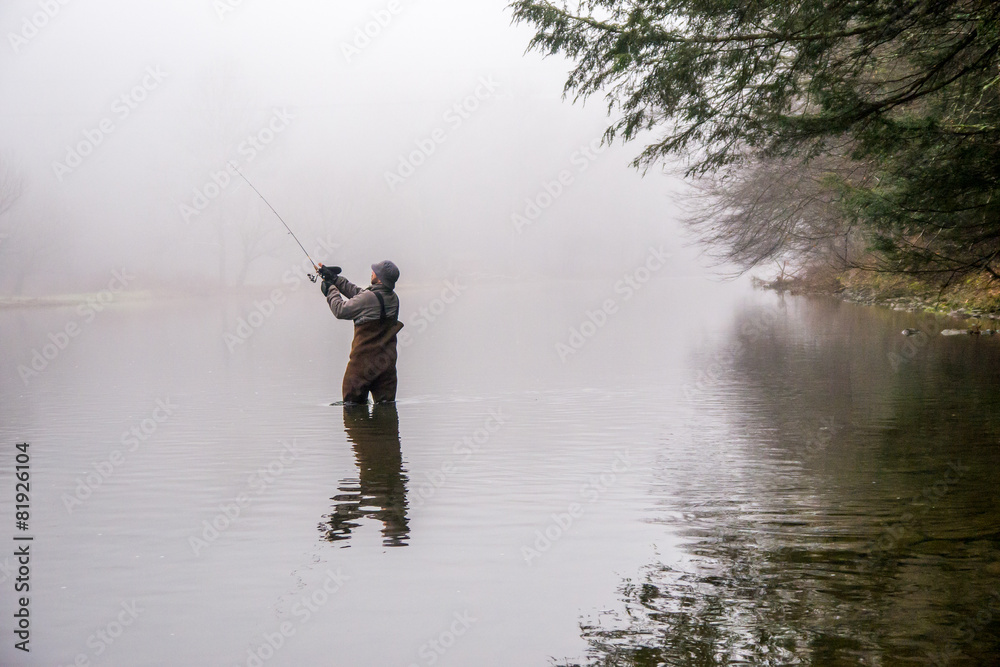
point(417, 130)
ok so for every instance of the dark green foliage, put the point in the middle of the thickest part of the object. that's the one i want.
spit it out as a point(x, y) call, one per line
point(909, 91)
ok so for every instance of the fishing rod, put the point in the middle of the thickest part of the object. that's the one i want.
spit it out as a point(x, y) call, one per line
point(316, 267)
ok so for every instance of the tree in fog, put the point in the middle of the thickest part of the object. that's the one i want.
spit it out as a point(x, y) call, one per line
point(11, 184)
point(224, 120)
point(783, 211)
point(911, 86)
point(11, 190)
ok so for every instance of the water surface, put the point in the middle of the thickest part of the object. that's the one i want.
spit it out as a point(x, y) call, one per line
point(714, 476)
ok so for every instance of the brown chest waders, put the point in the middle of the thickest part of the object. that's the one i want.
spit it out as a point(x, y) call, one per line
point(372, 365)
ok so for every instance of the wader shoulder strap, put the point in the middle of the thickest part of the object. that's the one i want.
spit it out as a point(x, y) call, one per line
point(381, 303)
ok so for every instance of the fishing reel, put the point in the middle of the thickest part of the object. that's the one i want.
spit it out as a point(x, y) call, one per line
point(312, 277)
point(329, 273)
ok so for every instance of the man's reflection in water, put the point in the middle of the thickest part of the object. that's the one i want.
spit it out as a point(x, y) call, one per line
point(380, 490)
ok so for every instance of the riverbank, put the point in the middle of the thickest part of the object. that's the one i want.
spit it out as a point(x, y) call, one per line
point(56, 300)
point(970, 298)
point(161, 294)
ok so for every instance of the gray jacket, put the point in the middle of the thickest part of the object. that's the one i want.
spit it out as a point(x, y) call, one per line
point(360, 305)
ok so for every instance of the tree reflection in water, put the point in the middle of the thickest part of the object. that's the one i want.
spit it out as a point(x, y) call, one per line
point(736, 603)
point(379, 491)
point(875, 544)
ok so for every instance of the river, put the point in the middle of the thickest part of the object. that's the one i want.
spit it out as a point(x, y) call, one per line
point(574, 474)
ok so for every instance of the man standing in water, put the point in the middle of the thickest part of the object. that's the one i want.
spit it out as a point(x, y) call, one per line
point(375, 311)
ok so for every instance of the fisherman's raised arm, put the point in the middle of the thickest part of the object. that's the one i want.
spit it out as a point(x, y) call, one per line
point(346, 287)
point(348, 309)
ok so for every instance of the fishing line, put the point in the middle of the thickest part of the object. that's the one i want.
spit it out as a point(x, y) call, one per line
point(315, 266)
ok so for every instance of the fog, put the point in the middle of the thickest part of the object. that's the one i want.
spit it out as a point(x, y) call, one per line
point(600, 452)
point(416, 131)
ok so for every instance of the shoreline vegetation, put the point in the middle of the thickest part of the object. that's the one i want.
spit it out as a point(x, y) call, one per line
point(856, 143)
point(971, 299)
